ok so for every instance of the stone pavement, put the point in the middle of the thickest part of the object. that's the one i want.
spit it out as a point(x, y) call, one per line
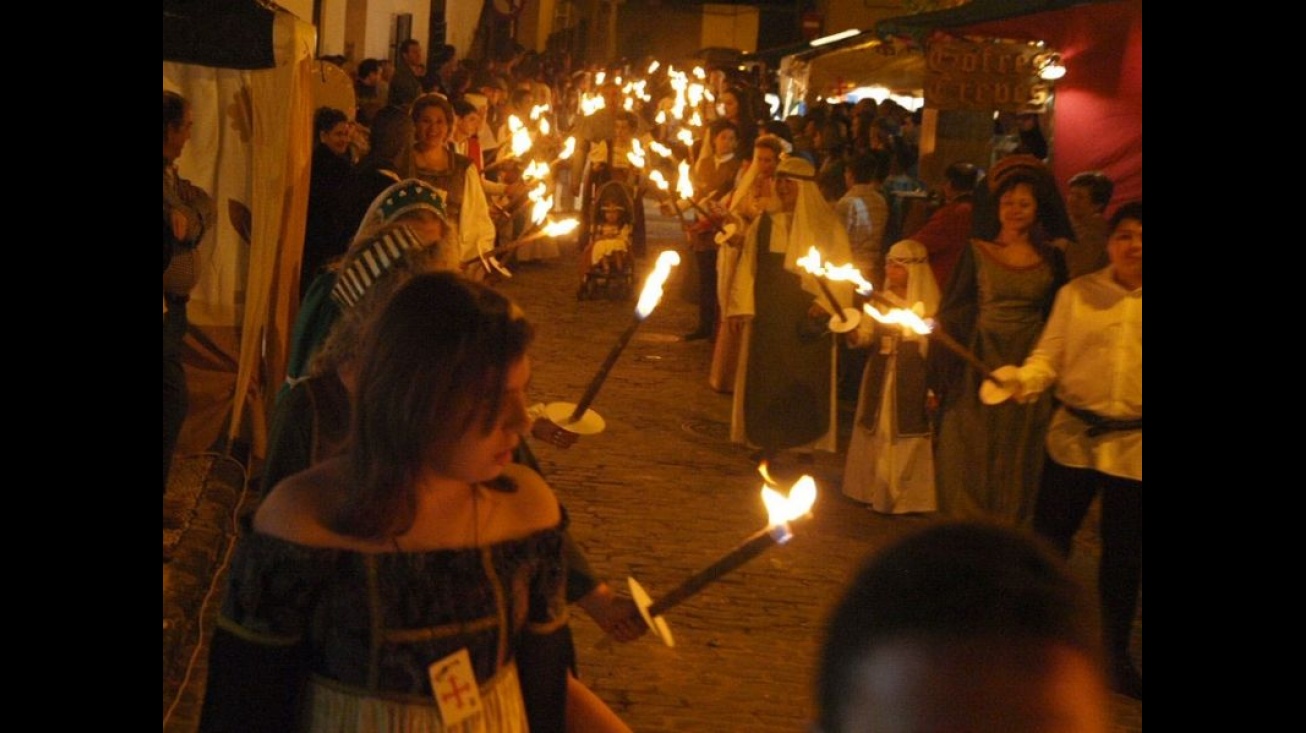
point(659, 495)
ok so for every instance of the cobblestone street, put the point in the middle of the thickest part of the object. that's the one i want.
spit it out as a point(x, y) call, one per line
point(660, 494)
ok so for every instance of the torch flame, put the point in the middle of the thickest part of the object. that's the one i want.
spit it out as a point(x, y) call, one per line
point(542, 205)
point(653, 66)
point(695, 93)
point(636, 154)
point(781, 509)
point(652, 293)
point(534, 170)
point(658, 179)
point(629, 104)
point(599, 77)
point(698, 72)
point(907, 317)
point(684, 188)
point(695, 120)
point(685, 136)
point(591, 103)
point(544, 126)
point(521, 141)
point(538, 110)
point(568, 147)
point(659, 148)
point(559, 228)
point(840, 273)
point(661, 117)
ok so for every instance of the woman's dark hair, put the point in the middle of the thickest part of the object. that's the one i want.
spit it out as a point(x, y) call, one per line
point(1042, 198)
point(326, 118)
point(174, 111)
point(433, 366)
point(1052, 223)
point(432, 100)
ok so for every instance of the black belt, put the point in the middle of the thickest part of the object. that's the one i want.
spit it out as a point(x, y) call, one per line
point(1098, 425)
point(174, 299)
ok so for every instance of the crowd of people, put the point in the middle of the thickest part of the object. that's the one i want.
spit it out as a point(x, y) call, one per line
point(406, 545)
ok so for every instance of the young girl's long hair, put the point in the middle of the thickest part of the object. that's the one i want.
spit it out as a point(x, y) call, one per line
point(433, 366)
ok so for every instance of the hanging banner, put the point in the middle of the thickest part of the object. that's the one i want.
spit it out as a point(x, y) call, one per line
point(1001, 76)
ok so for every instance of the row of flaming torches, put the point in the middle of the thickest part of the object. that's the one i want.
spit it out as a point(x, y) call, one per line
point(689, 95)
point(782, 511)
point(536, 175)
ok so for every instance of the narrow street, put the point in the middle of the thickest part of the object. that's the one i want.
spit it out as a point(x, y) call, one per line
point(660, 494)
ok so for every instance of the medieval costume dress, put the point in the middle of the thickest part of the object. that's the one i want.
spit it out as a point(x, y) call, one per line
point(465, 204)
point(990, 457)
point(890, 463)
point(784, 396)
point(328, 639)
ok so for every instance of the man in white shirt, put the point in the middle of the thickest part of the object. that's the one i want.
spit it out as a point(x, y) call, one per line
point(1092, 351)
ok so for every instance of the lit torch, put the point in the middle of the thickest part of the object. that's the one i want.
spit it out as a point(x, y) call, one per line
point(782, 513)
point(991, 391)
point(844, 319)
point(540, 207)
point(579, 418)
point(568, 147)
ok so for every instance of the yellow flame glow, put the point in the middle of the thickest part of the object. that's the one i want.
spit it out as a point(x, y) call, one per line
point(661, 117)
point(695, 120)
point(514, 124)
point(651, 295)
point(901, 317)
point(559, 228)
point(542, 205)
point(535, 170)
point(698, 72)
point(694, 93)
point(591, 103)
point(839, 273)
point(544, 126)
point(568, 147)
point(684, 188)
point(659, 180)
point(686, 137)
point(599, 77)
point(538, 110)
point(521, 142)
point(659, 148)
point(629, 104)
point(781, 509)
point(653, 66)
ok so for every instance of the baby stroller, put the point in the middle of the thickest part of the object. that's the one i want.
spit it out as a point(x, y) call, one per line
point(606, 263)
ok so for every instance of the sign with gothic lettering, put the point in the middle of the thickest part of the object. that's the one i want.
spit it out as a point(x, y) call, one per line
point(985, 75)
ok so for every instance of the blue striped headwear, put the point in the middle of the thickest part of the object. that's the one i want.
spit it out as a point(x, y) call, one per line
point(371, 262)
